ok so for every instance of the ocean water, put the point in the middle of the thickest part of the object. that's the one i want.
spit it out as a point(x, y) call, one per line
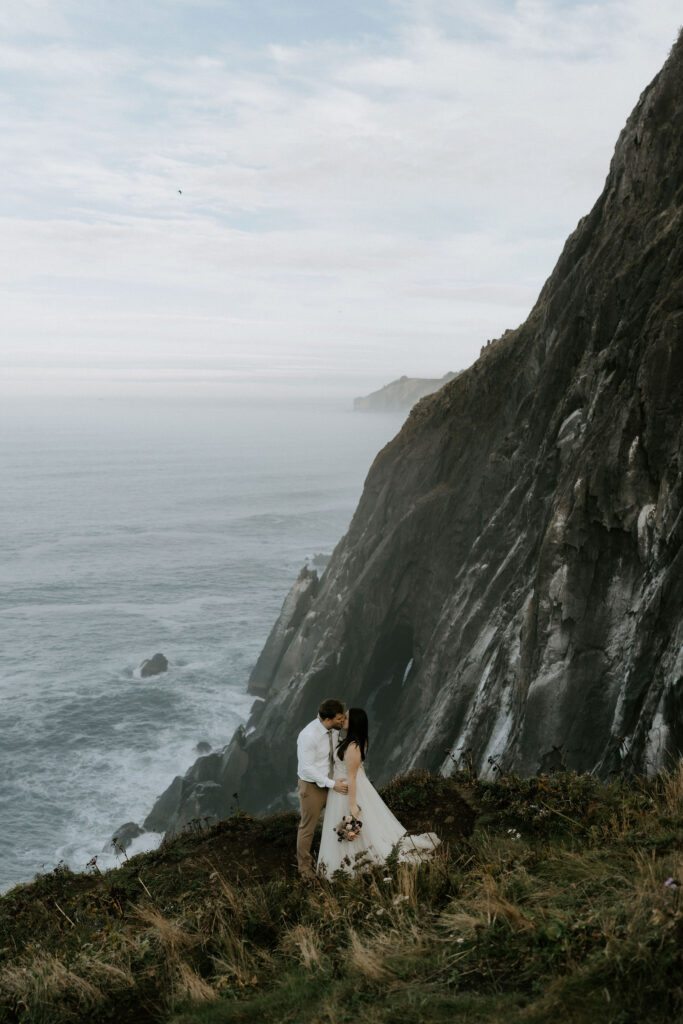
point(131, 526)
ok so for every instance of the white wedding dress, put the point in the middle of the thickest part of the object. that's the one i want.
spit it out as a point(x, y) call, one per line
point(380, 834)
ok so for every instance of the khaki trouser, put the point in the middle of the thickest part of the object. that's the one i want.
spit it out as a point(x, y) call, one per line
point(312, 799)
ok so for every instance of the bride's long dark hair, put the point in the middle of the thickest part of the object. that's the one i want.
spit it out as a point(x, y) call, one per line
point(357, 732)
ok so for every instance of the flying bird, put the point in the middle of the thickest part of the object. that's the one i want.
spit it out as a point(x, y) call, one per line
point(180, 191)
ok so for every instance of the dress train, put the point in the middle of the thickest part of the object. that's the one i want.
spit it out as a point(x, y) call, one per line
point(381, 832)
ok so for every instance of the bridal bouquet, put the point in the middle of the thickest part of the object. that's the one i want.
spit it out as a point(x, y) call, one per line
point(348, 828)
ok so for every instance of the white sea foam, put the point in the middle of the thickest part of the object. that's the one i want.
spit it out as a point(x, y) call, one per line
point(79, 853)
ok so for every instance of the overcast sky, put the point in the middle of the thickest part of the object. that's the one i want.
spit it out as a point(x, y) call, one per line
point(221, 189)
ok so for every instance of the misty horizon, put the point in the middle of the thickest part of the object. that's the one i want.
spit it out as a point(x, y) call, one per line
point(203, 191)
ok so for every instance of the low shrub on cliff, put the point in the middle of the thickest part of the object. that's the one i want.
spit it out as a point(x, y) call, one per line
point(514, 921)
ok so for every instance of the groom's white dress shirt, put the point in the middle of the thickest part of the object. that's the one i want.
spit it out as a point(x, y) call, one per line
point(313, 752)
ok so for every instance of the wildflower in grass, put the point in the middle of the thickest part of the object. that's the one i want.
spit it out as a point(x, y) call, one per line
point(672, 883)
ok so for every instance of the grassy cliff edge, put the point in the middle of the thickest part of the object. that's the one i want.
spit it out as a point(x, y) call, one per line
point(560, 900)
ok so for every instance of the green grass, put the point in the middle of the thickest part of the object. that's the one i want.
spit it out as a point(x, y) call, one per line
point(533, 917)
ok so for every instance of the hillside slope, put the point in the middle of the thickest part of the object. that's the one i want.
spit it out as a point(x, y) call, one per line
point(560, 902)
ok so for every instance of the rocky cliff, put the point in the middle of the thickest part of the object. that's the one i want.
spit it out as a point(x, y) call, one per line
point(512, 581)
point(402, 394)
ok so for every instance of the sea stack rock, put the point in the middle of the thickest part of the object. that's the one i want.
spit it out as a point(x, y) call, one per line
point(154, 666)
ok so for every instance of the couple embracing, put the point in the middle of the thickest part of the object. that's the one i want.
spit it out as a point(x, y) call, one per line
point(358, 828)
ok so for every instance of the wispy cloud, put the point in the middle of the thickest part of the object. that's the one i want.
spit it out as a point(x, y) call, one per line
point(394, 196)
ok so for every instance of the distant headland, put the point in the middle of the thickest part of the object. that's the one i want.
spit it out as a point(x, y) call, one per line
point(402, 394)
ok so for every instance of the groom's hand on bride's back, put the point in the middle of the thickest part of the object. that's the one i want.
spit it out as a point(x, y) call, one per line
point(341, 786)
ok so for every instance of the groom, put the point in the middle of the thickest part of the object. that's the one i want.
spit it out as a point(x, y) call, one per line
point(315, 752)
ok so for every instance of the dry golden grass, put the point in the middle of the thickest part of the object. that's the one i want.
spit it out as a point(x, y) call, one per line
point(495, 907)
point(171, 934)
point(304, 943)
point(671, 799)
point(233, 961)
point(105, 975)
point(460, 924)
point(406, 884)
point(46, 981)
point(187, 984)
point(576, 926)
point(232, 900)
point(368, 959)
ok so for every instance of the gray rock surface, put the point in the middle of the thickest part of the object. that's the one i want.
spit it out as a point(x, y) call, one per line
point(154, 666)
point(401, 395)
point(124, 836)
point(320, 561)
point(512, 580)
point(278, 653)
point(203, 792)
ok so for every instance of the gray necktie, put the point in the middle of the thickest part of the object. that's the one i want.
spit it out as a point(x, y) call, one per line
point(329, 733)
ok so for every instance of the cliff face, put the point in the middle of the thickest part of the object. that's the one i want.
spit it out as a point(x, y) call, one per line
point(512, 580)
point(271, 660)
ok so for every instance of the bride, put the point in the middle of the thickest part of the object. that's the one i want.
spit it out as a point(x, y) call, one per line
point(381, 832)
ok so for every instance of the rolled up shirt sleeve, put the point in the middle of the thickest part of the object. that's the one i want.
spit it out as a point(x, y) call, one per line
point(308, 771)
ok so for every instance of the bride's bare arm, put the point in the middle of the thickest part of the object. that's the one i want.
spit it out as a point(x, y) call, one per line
point(352, 760)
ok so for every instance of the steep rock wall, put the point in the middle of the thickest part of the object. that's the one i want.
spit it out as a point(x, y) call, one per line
point(512, 580)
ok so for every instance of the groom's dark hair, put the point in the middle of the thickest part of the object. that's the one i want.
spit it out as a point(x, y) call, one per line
point(331, 707)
